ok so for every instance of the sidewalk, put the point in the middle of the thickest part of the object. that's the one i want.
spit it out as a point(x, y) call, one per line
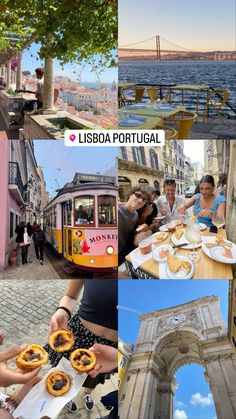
point(25, 312)
point(32, 270)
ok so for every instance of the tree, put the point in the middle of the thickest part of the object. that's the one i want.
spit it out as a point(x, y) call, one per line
point(26, 73)
point(71, 31)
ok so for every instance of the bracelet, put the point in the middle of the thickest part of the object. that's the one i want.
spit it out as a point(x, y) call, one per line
point(66, 310)
point(5, 400)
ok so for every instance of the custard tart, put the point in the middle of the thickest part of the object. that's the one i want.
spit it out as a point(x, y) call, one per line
point(62, 340)
point(82, 360)
point(32, 357)
point(58, 383)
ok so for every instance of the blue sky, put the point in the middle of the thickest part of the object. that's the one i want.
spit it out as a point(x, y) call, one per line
point(52, 155)
point(137, 297)
point(30, 62)
point(202, 25)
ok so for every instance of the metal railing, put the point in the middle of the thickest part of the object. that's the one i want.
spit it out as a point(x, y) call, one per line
point(14, 178)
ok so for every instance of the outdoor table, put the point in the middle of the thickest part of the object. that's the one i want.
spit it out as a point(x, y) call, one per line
point(150, 111)
point(150, 123)
point(205, 268)
point(194, 88)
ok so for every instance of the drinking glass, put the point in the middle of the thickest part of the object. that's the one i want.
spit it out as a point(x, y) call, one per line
point(218, 220)
point(193, 235)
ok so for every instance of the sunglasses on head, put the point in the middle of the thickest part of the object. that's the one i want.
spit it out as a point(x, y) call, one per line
point(138, 195)
point(169, 181)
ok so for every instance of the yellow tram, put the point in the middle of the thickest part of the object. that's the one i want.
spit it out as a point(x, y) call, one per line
point(81, 223)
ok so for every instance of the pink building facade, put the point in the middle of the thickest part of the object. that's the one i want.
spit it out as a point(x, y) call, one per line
point(15, 195)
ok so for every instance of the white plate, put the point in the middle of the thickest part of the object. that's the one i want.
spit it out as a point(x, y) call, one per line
point(184, 240)
point(164, 108)
point(165, 228)
point(155, 237)
point(156, 252)
point(138, 106)
point(160, 217)
point(216, 253)
point(181, 274)
point(130, 122)
point(202, 226)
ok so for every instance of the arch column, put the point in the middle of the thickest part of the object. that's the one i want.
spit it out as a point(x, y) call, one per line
point(140, 392)
point(165, 400)
point(221, 370)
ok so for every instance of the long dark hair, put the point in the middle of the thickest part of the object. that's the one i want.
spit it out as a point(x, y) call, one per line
point(207, 179)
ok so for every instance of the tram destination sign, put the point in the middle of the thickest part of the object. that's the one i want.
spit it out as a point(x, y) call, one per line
point(95, 178)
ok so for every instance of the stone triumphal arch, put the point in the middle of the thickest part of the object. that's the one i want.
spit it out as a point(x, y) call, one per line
point(193, 332)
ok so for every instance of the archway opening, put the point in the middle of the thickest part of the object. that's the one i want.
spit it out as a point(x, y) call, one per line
point(193, 398)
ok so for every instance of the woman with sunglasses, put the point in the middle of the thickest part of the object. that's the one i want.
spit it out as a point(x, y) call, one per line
point(169, 203)
point(206, 202)
point(128, 219)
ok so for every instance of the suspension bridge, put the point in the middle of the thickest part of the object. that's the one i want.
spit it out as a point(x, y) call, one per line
point(159, 48)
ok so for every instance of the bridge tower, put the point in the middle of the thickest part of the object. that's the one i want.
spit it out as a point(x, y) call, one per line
point(158, 47)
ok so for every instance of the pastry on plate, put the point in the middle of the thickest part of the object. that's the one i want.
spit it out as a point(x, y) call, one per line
point(61, 340)
point(32, 357)
point(58, 383)
point(186, 266)
point(179, 234)
point(174, 263)
point(160, 236)
point(83, 360)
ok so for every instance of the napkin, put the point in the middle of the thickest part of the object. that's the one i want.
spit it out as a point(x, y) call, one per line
point(137, 258)
point(39, 402)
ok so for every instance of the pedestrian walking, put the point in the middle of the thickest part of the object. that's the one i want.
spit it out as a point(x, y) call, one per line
point(29, 229)
point(39, 239)
point(24, 240)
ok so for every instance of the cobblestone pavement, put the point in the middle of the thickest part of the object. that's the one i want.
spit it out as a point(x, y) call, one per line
point(213, 128)
point(25, 311)
point(32, 270)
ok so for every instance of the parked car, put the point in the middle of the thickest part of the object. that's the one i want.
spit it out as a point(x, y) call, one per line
point(190, 191)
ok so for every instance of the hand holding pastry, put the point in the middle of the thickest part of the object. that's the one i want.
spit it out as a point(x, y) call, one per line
point(182, 209)
point(59, 320)
point(106, 359)
point(9, 376)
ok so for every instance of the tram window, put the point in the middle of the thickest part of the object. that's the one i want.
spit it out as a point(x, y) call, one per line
point(106, 210)
point(69, 212)
point(84, 210)
point(55, 216)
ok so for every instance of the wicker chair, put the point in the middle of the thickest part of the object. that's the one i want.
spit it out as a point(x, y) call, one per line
point(170, 133)
point(182, 121)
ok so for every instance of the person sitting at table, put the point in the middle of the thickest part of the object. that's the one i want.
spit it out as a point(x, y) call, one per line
point(206, 202)
point(149, 211)
point(128, 218)
point(169, 203)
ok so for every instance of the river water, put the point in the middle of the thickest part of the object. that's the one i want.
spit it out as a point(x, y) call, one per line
point(217, 74)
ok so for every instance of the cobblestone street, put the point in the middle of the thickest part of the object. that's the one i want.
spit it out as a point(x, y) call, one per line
point(32, 270)
point(25, 311)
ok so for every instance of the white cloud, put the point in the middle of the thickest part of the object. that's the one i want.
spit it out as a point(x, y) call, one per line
point(180, 414)
point(198, 399)
point(180, 404)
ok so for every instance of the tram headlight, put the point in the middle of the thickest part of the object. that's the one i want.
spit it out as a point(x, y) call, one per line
point(110, 250)
point(92, 260)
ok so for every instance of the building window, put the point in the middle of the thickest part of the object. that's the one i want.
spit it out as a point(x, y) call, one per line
point(124, 153)
point(153, 159)
point(139, 155)
point(123, 362)
point(11, 224)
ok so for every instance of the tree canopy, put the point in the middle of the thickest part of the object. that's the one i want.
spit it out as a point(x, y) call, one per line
point(71, 31)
